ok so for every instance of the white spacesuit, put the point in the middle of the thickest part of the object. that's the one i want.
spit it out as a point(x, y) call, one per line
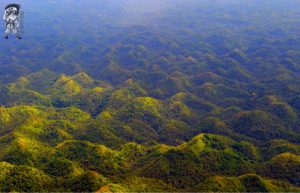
point(11, 18)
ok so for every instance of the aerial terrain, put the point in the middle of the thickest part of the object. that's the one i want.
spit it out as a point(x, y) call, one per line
point(152, 96)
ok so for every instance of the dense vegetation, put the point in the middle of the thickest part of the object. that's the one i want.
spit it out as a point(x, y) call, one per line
point(204, 97)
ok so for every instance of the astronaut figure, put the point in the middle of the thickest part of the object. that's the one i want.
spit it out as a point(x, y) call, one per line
point(12, 20)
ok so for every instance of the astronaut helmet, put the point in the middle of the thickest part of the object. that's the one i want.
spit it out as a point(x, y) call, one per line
point(13, 9)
